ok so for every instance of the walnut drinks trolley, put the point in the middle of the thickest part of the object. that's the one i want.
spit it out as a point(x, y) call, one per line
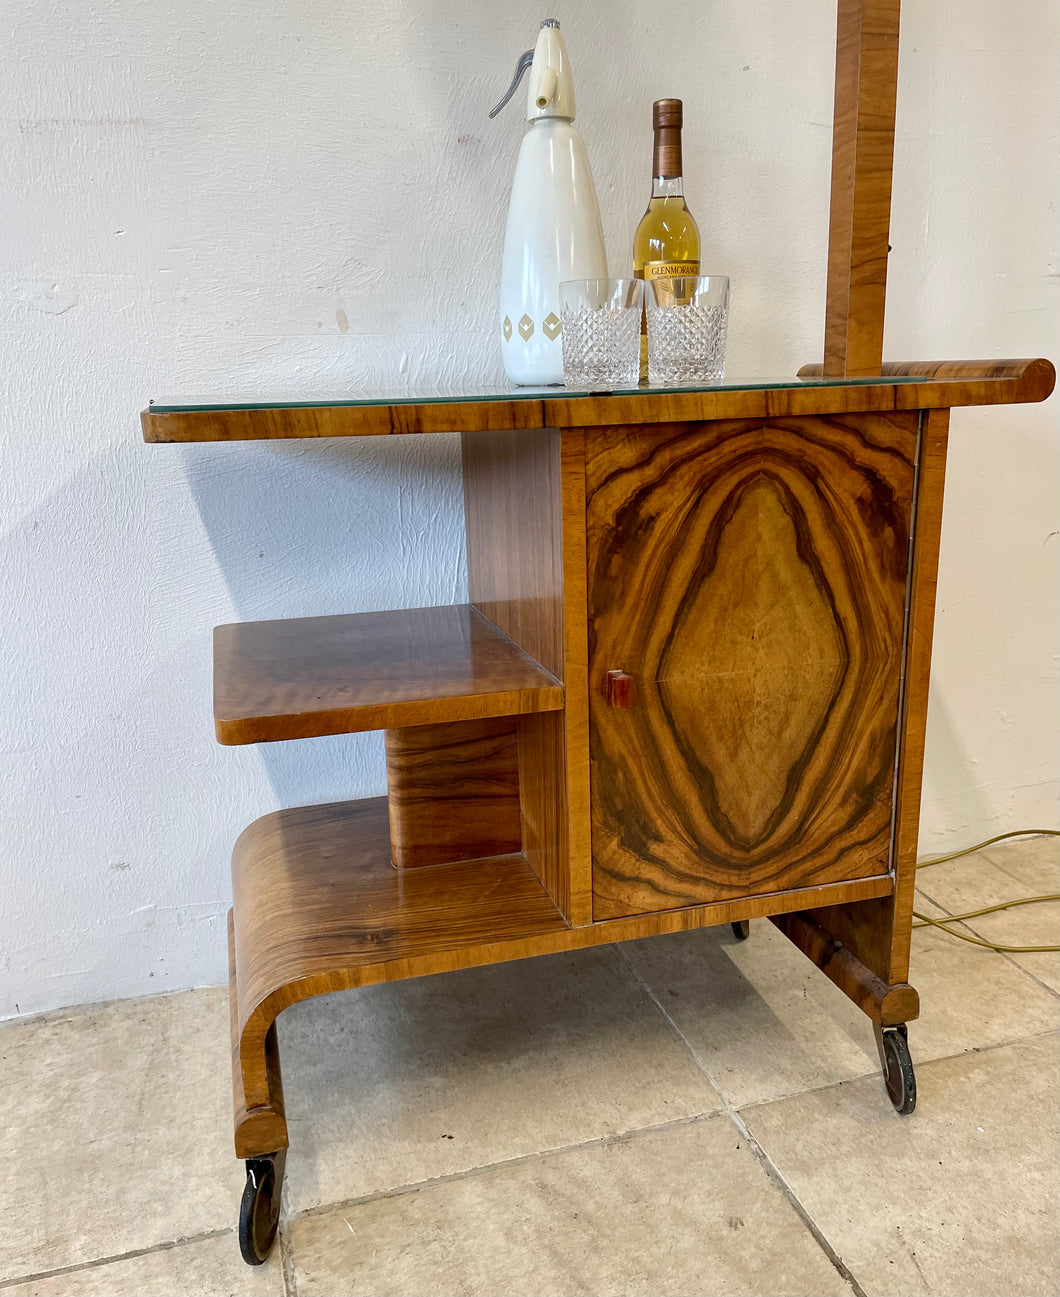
point(689, 687)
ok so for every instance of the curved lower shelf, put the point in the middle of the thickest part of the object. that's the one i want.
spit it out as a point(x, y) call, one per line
point(319, 907)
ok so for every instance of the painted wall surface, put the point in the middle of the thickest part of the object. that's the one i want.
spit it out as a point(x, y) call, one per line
point(306, 199)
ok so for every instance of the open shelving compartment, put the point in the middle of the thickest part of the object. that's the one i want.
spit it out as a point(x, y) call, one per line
point(319, 900)
point(689, 687)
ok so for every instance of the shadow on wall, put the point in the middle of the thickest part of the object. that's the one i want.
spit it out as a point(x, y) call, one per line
point(320, 528)
point(949, 772)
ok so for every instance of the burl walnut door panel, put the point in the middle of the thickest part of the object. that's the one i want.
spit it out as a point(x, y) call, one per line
point(751, 579)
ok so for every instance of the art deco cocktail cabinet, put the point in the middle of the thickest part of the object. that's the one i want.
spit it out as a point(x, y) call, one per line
point(689, 688)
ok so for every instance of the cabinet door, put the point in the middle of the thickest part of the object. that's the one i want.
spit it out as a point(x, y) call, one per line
point(751, 579)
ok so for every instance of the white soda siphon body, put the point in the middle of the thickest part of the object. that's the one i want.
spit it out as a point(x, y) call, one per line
point(554, 231)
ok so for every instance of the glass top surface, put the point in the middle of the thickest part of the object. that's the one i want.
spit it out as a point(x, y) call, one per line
point(503, 392)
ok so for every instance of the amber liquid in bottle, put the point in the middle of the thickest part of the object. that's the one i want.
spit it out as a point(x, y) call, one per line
point(667, 239)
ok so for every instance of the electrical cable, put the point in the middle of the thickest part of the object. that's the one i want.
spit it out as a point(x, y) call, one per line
point(926, 921)
point(978, 941)
point(967, 851)
point(1004, 905)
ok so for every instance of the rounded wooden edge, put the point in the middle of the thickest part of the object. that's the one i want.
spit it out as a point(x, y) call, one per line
point(260, 1131)
point(378, 418)
point(252, 1022)
point(262, 1127)
point(258, 1084)
point(900, 1004)
point(1035, 377)
point(239, 731)
point(1040, 379)
point(246, 838)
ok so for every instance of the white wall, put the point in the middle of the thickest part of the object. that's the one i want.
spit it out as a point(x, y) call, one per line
point(195, 197)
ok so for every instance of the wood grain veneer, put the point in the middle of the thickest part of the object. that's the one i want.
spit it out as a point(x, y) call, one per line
point(923, 584)
point(513, 522)
point(866, 81)
point(576, 668)
point(878, 931)
point(1034, 377)
point(885, 1004)
point(453, 792)
point(1016, 381)
point(319, 908)
point(751, 578)
point(524, 511)
point(262, 1129)
point(280, 422)
point(309, 676)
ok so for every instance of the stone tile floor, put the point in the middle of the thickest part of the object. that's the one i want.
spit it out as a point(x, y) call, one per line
point(685, 1115)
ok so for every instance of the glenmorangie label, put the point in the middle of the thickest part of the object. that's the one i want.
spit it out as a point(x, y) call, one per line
point(669, 269)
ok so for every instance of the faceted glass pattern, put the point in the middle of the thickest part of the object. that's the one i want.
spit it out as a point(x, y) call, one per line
point(601, 333)
point(688, 320)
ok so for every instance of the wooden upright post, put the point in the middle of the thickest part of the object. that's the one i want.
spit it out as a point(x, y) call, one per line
point(866, 80)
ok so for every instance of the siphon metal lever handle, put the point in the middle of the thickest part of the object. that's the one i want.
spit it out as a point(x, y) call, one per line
point(619, 689)
point(524, 62)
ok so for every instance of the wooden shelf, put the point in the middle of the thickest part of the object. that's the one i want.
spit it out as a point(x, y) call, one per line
point(315, 895)
point(319, 908)
point(919, 386)
point(305, 677)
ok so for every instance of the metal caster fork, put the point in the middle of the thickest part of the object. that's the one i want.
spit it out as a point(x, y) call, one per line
point(259, 1212)
point(899, 1078)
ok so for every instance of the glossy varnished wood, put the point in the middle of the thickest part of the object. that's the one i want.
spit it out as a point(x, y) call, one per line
point(309, 676)
point(1035, 379)
point(514, 532)
point(751, 578)
point(280, 422)
point(923, 584)
point(576, 665)
point(318, 905)
point(866, 80)
point(514, 528)
point(319, 908)
point(524, 510)
point(315, 890)
point(878, 931)
point(261, 1129)
point(1027, 380)
point(885, 1003)
point(453, 792)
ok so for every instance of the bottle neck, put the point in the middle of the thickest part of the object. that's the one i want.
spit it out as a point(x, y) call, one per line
point(667, 187)
point(666, 155)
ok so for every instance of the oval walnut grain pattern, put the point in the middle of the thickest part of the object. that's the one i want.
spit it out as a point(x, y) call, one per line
point(751, 577)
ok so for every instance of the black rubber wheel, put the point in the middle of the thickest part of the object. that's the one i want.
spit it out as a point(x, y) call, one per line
point(259, 1212)
point(898, 1075)
point(741, 929)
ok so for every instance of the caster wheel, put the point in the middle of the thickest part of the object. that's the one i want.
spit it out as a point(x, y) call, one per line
point(898, 1075)
point(259, 1212)
point(741, 929)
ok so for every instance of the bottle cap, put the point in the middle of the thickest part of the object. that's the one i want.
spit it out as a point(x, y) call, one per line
point(666, 112)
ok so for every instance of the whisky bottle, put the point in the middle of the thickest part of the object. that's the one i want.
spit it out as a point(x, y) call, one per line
point(667, 239)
